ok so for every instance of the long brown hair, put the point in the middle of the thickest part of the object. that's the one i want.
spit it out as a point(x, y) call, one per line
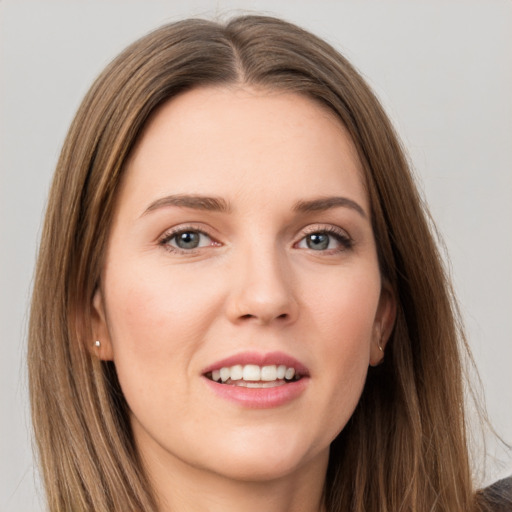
point(405, 446)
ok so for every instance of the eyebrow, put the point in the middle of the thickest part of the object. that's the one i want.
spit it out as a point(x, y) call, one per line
point(196, 202)
point(218, 204)
point(326, 203)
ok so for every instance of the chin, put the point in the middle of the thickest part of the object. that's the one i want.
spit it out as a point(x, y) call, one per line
point(262, 469)
point(268, 457)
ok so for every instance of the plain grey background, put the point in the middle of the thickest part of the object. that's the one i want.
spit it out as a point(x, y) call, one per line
point(442, 69)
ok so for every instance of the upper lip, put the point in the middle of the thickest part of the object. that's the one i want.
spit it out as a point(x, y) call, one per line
point(260, 359)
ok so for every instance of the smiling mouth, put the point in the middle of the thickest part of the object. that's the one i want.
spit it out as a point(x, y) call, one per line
point(254, 376)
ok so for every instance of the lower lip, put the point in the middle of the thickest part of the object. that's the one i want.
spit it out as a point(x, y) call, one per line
point(259, 398)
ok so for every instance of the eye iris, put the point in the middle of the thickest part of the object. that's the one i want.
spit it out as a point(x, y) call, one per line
point(187, 240)
point(318, 241)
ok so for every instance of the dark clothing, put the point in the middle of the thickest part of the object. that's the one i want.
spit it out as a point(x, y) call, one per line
point(497, 497)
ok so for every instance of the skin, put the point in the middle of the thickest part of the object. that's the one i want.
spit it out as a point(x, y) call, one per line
point(253, 284)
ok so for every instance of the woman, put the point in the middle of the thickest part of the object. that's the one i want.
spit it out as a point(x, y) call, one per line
point(245, 307)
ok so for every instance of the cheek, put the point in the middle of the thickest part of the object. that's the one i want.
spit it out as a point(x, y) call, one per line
point(343, 319)
point(344, 312)
point(157, 322)
point(151, 308)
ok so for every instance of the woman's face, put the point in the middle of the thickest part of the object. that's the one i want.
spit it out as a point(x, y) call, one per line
point(241, 250)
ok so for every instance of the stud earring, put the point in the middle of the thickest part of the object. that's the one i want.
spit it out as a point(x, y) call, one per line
point(380, 347)
point(97, 344)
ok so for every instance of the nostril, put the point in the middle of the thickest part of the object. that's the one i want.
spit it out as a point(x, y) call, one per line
point(248, 316)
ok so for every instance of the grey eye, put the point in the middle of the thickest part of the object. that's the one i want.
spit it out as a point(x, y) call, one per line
point(188, 240)
point(318, 241)
point(324, 241)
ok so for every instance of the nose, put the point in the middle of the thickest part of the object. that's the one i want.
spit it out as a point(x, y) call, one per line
point(262, 289)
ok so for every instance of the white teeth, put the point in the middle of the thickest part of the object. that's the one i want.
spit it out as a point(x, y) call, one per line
point(225, 373)
point(273, 384)
point(237, 372)
point(290, 373)
point(269, 373)
point(281, 371)
point(253, 374)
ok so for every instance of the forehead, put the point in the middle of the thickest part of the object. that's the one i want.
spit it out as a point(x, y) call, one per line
point(225, 141)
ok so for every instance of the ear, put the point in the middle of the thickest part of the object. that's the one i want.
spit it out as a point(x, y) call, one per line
point(100, 329)
point(384, 323)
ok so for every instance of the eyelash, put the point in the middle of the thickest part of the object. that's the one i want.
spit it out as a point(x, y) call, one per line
point(169, 235)
point(339, 235)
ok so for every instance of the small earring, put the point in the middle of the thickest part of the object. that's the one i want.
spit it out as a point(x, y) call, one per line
point(380, 347)
point(97, 344)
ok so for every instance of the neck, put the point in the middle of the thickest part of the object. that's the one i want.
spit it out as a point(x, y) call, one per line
point(182, 487)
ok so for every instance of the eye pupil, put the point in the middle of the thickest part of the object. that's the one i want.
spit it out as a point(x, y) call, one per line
point(318, 241)
point(187, 240)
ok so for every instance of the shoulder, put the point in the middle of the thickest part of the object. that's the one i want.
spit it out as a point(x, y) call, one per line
point(497, 497)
